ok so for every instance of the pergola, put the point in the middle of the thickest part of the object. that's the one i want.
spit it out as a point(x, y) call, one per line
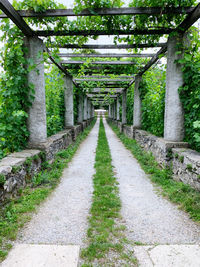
point(111, 86)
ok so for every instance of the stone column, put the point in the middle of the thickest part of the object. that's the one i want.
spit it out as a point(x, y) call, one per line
point(69, 101)
point(36, 122)
point(174, 118)
point(118, 108)
point(112, 113)
point(93, 113)
point(137, 114)
point(80, 107)
point(85, 108)
point(109, 111)
point(88, 110)
point(115, 109)
point(124, 107)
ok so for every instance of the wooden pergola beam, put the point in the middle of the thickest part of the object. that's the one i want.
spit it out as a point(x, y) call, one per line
point(70, 55)
point(104, 77)
point(109, 46)
point(105, 90)
point(104, 12)
point(106, 85)
point(59, 66)
point(47, 33)
point(190, 19)
point(107, 80)
point(98, 62)
point(100, 96)
point(11, 13)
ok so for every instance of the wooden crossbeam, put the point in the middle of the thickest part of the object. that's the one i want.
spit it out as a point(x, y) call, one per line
point(100, 96)
point(47, 33)
point(110, 85)
point(98, 62)
point(106, 90)
point(104, 12)
point(109, 46)
point(190, 19)
point(153, 60)
point(11, 13)
point(104, 77)
point(60, 66)
point(56, 63)
point(70, 55)
point(107, 80)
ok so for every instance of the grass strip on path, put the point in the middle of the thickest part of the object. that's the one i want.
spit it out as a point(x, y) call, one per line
point(15, 213)
point(106, 240)
point(184, 195)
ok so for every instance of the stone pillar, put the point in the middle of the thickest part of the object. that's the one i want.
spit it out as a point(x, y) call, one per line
point(109, 111)
point(69, 101)
point(93, 113)
point(112, 112)
point(80, 107)
point(124, 107)
point(118, 108)
point(115, 109)
point(137, 114)
point(36, 122)
point(174, 118)
point(88, 109)
point(85, 108)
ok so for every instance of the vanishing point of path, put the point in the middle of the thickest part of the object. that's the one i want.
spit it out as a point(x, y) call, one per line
point(54, 236)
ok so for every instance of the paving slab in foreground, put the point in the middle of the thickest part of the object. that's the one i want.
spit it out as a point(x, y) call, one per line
point(24, 255)
point(168, 256)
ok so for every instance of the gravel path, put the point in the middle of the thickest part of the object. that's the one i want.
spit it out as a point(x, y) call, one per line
point(62, 219)
point(149, 217)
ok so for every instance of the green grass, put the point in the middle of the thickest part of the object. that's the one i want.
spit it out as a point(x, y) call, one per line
point(15, 213)
point(186, 197)
point(104, 234)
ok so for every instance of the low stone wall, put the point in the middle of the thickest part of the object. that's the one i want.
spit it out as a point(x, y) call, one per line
point(128, 130)
point(76, 131)
point(17, 169)
point(84, 123)
point(56, 143)
point(186, 166)
point(185, 163)
point(160, 148)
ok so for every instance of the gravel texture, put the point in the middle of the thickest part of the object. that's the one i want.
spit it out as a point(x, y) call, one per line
point(149, 217)
point(62, 218)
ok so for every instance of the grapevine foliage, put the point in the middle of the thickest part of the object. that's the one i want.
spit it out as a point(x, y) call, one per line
point(16, 96)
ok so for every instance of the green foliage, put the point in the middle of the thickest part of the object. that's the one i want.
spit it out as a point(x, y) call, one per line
point(54, 86)
point(15, 95)
point(130, 103)
point(153, 103)
point(2, 180)
point(190, 91)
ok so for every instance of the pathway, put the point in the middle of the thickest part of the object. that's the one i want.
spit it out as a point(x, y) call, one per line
point(56, 233)
point(151, 219)
point(62, 220)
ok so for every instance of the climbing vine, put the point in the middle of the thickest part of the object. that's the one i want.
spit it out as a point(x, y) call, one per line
point(152, 89)
point(16, 96)
point(54, 86)
point(190, 91)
